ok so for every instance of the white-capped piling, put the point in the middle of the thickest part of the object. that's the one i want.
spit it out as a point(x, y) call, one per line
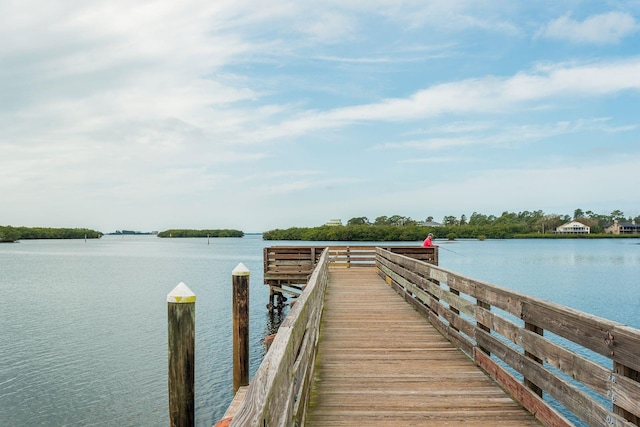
point(181, 302)
point(240, 283)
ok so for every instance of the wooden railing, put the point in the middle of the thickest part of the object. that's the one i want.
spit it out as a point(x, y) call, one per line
point(294, 264)
point(278, 393)
point(288, 268)
point(365, 256)
point(497, 328)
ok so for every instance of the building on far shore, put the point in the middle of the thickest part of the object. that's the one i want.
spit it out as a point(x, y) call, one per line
point(573, 227)
point(334, 222)
point(622, 228)
point(429, 224)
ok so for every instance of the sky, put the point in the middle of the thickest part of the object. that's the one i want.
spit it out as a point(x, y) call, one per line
point(152, 115)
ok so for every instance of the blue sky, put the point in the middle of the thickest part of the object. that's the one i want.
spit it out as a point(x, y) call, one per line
point(160, 114)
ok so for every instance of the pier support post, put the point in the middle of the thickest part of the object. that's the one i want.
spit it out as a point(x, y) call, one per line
point(240, 280)
point(181, 302)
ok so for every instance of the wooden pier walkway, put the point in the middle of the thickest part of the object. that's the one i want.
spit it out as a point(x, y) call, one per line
point(380, 363)
point(385, 336)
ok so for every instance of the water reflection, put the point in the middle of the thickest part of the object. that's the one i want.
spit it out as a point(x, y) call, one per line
point(273, 320)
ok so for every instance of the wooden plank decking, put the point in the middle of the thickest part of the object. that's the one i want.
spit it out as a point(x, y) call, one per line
point(381, 363)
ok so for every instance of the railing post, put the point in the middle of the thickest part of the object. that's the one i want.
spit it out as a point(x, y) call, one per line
point(348, 258)
point(527, 382)
point(453, 309)
point(485, 328)
point(628, 372)
point(240, 281)
point(181, 310)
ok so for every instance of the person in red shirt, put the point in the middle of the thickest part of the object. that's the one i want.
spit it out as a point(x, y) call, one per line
point(428, 241)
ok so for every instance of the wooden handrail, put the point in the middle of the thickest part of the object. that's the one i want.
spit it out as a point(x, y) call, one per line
point(295, 263)
point(488, 323)
point(494, 326)
point(278, 393)
point(287, 268)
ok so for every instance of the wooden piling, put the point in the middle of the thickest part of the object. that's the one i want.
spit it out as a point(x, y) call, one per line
point(181, 319)
point(240, 281)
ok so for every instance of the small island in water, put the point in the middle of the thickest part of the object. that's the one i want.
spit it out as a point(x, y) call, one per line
point(9, 234)
point(132, 233)
point(201, 233)
point(13, 234)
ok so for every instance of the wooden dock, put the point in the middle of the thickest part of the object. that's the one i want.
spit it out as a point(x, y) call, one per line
point(380, 363)
point(384, 336)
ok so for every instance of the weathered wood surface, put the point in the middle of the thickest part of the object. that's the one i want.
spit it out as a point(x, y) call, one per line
point(380, 363)
point(236, 402)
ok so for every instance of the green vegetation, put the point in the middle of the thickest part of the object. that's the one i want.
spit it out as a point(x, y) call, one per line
point(11, 234)
point(129, 233)
point(525, 224)
point(201, 233)
point(388, 233)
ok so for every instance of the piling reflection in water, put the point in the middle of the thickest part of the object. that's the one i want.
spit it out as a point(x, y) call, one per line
point(273, 320)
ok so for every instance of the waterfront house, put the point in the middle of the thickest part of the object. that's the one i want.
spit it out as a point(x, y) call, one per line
point(573, 227)
point(429, 224)
point(623, 228)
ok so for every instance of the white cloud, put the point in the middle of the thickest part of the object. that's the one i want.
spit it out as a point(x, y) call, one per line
point(378, 60)
point(436, 160)
point(436, 143)
point(525, 189)
point(298, 185)
point(328, 26)
point(445, 15)
point(606, 28)
point(501, 135)
point(452, 127)
point(485, 95)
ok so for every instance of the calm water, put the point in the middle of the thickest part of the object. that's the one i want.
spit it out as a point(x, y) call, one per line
point(84, 323)
point(600, 277)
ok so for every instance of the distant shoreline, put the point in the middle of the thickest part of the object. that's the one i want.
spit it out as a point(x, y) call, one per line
point(200, 233)
point(14, 234)
point(413, 233)
point(132, 233)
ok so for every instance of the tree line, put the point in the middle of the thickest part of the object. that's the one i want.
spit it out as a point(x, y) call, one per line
point(201, 233)
point(12, 234)
point(479, 226)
